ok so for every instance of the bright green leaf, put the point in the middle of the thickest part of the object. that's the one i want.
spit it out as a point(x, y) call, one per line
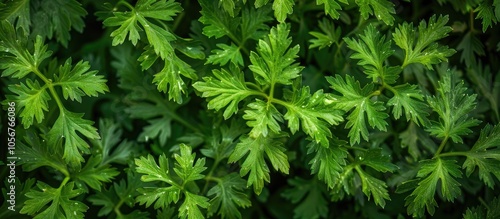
point(65, 131)
point(410, 99)
point(255, 164)
point(274, 61)
point(228, 88)
point(485, 155)
point(315, 112)
point(263, 117)
point(453, 105)
point(422, 47)
point(228, 196)
point(431, 172)
point(358, 100)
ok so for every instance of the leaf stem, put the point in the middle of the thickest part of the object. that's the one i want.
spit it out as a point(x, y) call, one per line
point(441, 147)
point(209, 176)
point(126, 4)
point(116, 209)
point(454, 153)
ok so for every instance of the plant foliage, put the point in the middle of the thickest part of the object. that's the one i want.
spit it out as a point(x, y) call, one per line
point(250, 109)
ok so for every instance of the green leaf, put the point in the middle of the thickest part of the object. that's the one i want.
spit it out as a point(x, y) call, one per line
point(253, 22)
point(327, 37)
point(217, 24)
point(152, 171)
point(225, 54)
point(471, 48)
point(311, 196)
point(65, 131)
point(157, 36)
point(159, 117)
point(228, 196)
point(190, 208)
point(327, 162)
point(488, 211)
point(95, 175)
point(378, 161)
point(382, 9)
point(186, 167)
point(55, 19)
point(222, 142)
point(431, 172)
point(359, 100)
point(61, 205)
point(422, 47)
point(410, 99)
point(263, 117)
point(19, 61)
point(315, 113)
point(162, 197)
point(453, 105)
point(274, 61)
point(372, 186)
point(373, 50)
point(228, 6)
point(111, 149)
point(228, 88)
point(18, 13)
point(35, 153)
point(485, 155)
point(32, 101)
point(282, 8)
point(332, 7)
point(486, 12)
point(78, 81)
point(255, 164)
point(169, 78)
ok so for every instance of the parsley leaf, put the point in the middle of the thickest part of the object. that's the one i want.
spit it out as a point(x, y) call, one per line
point(228, 195)
point(314, 111)
point(327, 162)
point(359, 100)
point(485, 154)
point(225, 54)
point(17, 13)
point(381, 8)
point(228, 88)
point(186, 169)
point(453, 105)
point(410, 99)
point(311, 196)
point(128, 24)
point(332, 8)
point(329, 35)
point(488, 211)
point(76, 81)
point(262, 116)
point(60, 198)
point(18, 61)
point(64, 131)
point(281, 8)
point(95, 175)
point(471, 48)
point(55, 18)
point(274, 62)
point(422, 47)
point(373, 50)
point(32, 99)
point(255, 163)
point(216, 24)
point(431, 172)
